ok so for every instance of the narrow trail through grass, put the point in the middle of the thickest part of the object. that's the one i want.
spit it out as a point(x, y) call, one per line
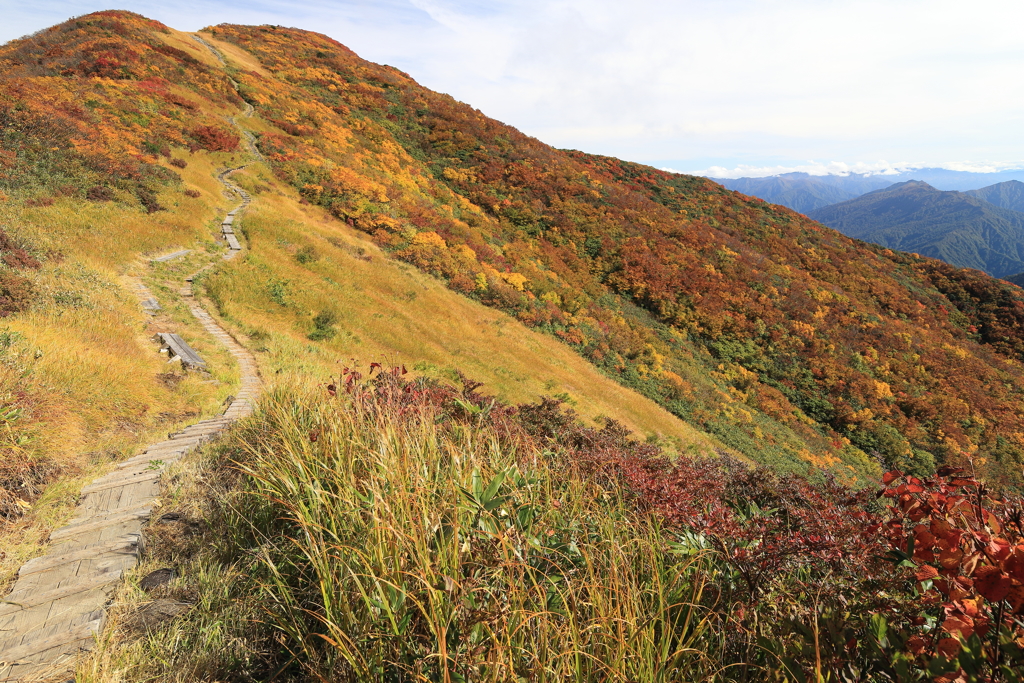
point(56, 608)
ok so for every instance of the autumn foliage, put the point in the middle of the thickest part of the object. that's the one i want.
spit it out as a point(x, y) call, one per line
point(88, 107)
point(793, 344)
point(215, 139)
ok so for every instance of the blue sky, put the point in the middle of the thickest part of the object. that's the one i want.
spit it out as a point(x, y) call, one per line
point(739, 86)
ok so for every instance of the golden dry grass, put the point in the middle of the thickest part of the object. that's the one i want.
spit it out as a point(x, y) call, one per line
point(389, 311)
point(81, 362)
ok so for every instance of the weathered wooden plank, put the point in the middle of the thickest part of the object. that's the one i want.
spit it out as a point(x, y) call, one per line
point(171, 257)
point(101, 523)
point(129, 544)
point(233, 242)
point(178, 348)
point(92, 488)
point(87, 631)
point(82, 585)
point(127, 503)
point(156, 458)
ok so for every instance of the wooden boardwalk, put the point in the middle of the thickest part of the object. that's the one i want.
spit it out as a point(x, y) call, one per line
point(56, 608)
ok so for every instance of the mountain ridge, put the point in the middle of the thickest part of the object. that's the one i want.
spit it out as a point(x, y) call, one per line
point(956, 227)
point(691, 395)
point(804, 192)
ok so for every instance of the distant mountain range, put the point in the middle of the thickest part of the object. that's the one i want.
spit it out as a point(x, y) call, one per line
point(804, 192)
point(977, 229)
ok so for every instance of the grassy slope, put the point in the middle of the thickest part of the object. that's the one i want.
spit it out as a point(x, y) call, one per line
point(387, 310)
point(790, 342)
point(81, 365)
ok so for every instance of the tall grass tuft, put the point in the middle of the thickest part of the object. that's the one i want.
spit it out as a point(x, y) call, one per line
point(414, 545)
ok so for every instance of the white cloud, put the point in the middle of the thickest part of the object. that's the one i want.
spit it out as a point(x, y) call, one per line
point(840, 168)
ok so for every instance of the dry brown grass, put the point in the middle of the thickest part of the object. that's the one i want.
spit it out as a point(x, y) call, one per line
point(80, 366)
point(388, 310)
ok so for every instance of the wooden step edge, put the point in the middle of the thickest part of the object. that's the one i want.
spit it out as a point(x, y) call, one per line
point(15, 656)
point(84, 584)
point(102, 486)
point(102, 523)
point(140, 507)
point(166, 458)
point(133, 470)
point(129, 544)
point(94, 513)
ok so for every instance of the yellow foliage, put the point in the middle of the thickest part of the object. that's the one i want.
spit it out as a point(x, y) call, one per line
point(803, 329)
point(429, 239)
point(551, 297)
point(459, 175)
point(465, 252)
point(516, 280)
point(882, 390)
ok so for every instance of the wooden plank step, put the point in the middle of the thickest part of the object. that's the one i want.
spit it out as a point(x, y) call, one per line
point(233, 242)
point(101, 523)
point(151, 457)
point(229, 219)
point(130, 474)
point(126, 545)
point(131, 481)
point(82, 584)
point(199, 431)
point(154, 458)
point(135, 504)
point(132, 470)
point(85, 632)
point(227, 230)
point(176, 347)
point(171, 257)
point(151, 304)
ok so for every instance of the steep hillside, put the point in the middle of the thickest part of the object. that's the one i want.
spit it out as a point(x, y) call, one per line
point(953, 226)
point(788, 342)
point(114, 130)
point(1008, 195)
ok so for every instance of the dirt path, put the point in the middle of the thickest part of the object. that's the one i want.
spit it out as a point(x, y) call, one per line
point(56, 607)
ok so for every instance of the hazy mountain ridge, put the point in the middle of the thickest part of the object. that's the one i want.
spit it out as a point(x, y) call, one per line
point(1007, 195)
point(804, 192)
point(957, 227)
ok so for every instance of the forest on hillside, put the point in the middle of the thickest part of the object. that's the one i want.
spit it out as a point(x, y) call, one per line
point(822, 349)
point(798, 347)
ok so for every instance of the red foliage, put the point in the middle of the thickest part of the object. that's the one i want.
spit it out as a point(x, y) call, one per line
point(215, 139)
point(14, 255)
point(967, 545)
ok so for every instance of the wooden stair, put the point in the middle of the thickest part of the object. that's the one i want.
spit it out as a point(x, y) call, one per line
point(55, 610)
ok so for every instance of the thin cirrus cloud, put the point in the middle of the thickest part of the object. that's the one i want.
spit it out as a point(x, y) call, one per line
point(687, 84)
